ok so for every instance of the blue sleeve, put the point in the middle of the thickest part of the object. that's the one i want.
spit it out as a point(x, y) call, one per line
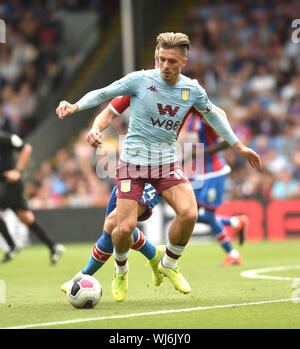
point(125, 86)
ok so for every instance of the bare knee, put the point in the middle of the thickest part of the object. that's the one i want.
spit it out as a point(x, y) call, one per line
point(123, 232)
point(188, 214)
point(127, 210)
point(126, 228)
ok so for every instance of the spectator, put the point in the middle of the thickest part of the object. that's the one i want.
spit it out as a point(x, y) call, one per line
point(285, 186)
point(232, 41)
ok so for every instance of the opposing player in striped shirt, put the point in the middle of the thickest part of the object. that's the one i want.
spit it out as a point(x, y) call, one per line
point(209, 185)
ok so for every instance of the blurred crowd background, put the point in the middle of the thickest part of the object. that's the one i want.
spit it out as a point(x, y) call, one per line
point(243, 55)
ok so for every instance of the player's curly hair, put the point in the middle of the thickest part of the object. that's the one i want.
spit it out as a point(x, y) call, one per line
point(173, 40)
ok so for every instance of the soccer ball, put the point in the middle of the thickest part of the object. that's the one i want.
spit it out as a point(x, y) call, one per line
point(84, 292)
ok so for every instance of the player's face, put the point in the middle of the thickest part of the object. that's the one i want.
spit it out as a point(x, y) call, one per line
point(170, 63)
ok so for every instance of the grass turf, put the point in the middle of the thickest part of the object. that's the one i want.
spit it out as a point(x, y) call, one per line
point(33, 293)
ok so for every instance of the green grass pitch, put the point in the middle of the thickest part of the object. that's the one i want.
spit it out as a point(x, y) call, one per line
point(220, 299)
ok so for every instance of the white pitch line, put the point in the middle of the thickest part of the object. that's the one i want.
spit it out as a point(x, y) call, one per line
point(253, 274)
point(66, 322)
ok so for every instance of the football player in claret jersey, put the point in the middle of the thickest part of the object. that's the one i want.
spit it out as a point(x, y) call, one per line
point(161, 99)
point(11, 194)
point(208, 185)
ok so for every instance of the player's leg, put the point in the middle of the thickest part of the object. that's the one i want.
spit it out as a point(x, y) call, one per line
point(239, 225)
point(103, 248)
point(27, 217)
point(186, 212)
point(9, 240)
point(180, 231)
point(151, 252)
point(122, 237)
point(209, 194)
point(220, 234)
point(8, 194)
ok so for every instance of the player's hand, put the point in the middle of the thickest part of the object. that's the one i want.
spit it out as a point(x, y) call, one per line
point(12, 176)
point(94, 138)
point(65, 108)
point(250, 155)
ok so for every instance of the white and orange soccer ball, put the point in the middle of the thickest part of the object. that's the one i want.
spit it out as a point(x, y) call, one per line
point(84, 292)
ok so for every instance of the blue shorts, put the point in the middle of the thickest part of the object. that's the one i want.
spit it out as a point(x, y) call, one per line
point(149, 200)
point(209, 191)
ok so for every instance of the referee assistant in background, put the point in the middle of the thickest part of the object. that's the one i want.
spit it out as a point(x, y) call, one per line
point(12, 196)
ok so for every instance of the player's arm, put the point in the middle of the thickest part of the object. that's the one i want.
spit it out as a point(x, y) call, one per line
point(219, 110)
point(101, 122)
point(24, 157)
point(25, 151)
point(221, 145)
point(116, 107)
point(221, 125)
point(125, 86)
point(216, 147)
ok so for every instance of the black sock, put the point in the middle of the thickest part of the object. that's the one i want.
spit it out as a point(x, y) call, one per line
point(41, 234)
point(5, 233)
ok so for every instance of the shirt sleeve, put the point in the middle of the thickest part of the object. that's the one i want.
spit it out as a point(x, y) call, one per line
point(119, 104)
point(221, 126)
point(213, 117)
point(125, 86)
point(202, 103)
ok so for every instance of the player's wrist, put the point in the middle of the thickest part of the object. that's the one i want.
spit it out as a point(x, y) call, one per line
point(240, 148)
point(75, 108)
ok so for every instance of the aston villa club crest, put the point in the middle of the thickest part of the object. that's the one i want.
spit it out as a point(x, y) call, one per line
point(185, 94)
point(125, 186)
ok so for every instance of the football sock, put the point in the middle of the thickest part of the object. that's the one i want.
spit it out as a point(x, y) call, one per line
point(231, 221)
point(225, 220)
point(234, 253)
point(102, 250)
point(6, 235)
point(121, 261)
point(41, 234)
point(171, 255)
point(142, 244)
point(217, 227)
point(224, 241)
